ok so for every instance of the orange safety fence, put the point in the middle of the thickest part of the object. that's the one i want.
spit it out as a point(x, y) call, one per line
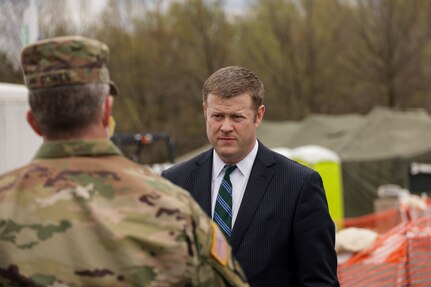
point(379, 222)
point(400, 257)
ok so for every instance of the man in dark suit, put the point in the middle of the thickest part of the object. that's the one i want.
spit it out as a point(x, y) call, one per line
point(273, 210)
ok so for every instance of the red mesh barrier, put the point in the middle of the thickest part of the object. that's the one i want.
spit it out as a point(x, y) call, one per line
point(379, 222)
point(400, 257)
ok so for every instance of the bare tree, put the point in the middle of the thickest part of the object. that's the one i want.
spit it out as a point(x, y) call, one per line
point(11, 23)
point(55, 18)
point(387, 53)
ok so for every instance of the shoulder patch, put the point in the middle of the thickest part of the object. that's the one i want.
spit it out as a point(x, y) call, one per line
point(219, 245)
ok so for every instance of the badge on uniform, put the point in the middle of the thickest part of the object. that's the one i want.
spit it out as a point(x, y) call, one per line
point(219, 245)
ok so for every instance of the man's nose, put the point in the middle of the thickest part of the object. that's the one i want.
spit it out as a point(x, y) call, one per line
point(226, 125)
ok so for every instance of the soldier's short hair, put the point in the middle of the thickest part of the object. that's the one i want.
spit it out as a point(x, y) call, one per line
point(65, 111)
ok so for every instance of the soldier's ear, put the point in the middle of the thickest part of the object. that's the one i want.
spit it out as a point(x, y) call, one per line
point(109, 102)
point(33, 123)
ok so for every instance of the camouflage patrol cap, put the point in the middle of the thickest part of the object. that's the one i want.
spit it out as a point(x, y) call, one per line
point(63, 61)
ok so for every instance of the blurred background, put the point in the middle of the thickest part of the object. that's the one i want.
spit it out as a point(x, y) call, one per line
point(347, 92)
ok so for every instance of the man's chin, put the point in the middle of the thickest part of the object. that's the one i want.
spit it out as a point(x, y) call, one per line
point(227, 152)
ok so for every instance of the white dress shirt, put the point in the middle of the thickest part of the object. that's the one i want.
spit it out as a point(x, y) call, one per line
point(239, 178)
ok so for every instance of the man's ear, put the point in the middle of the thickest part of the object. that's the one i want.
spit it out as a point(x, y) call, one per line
point(259, 115)
point(33, 123)
point(109, 102)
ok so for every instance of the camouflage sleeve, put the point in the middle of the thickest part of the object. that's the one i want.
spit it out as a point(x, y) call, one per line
point(214, 251)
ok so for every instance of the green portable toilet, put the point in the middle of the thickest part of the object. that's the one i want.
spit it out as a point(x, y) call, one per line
point(328, 164)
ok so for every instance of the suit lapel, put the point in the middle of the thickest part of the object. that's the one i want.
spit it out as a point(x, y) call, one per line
point(260, 177)
point(201, 180)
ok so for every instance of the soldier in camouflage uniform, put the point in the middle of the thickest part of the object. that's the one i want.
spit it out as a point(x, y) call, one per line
point(81, 214)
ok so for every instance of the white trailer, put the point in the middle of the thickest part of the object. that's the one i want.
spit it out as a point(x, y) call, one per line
point(18, 142)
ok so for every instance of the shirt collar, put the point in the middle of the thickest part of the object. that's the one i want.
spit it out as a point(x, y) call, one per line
point(70, 148)
point(245, 165)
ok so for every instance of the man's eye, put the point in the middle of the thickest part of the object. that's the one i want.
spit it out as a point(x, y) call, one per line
point(217, 117)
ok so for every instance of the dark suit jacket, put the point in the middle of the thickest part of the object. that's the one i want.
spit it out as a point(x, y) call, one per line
point(283, 234)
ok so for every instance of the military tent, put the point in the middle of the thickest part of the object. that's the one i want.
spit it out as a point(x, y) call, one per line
point(379, 148)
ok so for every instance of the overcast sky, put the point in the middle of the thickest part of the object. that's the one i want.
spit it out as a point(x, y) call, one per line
point(237, 5)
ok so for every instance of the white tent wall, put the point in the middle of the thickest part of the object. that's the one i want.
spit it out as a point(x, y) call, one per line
point(18, 142)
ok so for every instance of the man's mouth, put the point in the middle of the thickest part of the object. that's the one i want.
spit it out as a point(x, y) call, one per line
point(226, 139)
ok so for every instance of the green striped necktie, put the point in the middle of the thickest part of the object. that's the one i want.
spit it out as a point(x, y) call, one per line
point(223, 207)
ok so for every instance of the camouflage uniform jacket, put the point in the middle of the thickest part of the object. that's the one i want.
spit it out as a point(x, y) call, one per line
point(81, 214)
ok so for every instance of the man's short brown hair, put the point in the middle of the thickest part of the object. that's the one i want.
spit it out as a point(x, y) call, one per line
point(233, 81)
